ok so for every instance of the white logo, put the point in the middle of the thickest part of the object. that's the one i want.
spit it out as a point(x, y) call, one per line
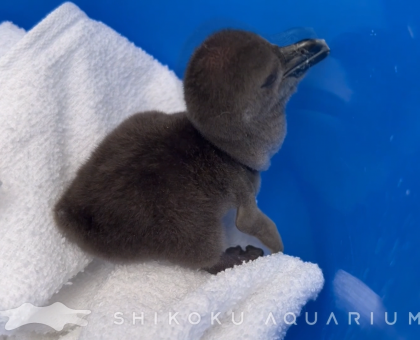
point(55, 316)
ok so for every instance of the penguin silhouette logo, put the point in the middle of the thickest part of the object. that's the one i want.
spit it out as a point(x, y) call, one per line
point(56, 316)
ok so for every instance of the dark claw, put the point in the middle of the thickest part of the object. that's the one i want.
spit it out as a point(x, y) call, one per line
point(254, 252)
point(235, 256)
point(234, 251)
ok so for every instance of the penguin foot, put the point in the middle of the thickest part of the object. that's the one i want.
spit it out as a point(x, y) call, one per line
point(235, 256)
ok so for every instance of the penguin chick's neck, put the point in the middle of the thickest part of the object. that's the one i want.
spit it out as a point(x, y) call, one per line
point(252, 136)
point(251, 143)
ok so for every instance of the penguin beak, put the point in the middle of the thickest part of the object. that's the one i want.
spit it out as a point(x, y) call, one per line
point(299, 57)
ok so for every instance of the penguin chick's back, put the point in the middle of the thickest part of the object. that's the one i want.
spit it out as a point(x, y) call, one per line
point(154, 188)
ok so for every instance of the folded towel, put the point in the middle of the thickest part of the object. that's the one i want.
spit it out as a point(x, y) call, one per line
point(276, 284)
point(64, 85)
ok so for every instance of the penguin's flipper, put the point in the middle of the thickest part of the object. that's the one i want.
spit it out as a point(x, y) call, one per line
point(235, 256)
point(251, 220)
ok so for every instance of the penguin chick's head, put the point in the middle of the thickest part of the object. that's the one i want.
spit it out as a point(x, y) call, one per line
point(236, 88)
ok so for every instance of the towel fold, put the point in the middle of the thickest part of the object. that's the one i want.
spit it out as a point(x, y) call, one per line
point(65, 84)
point(249, 301)
point(9, 35)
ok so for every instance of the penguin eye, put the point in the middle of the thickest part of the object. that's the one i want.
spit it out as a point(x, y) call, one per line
point(270, 80)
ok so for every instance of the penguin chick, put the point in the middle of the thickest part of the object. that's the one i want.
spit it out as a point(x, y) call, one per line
point(158, 186)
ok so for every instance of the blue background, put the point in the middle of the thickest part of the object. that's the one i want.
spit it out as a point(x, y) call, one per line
point(344, 190)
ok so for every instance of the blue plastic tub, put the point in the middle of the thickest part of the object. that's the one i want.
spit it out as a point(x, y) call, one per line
point(344, 190)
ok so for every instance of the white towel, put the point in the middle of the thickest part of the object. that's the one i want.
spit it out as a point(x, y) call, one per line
point(9, 35)
point(64, 85)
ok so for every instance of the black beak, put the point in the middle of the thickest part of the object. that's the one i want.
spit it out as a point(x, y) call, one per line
point(299, 57)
